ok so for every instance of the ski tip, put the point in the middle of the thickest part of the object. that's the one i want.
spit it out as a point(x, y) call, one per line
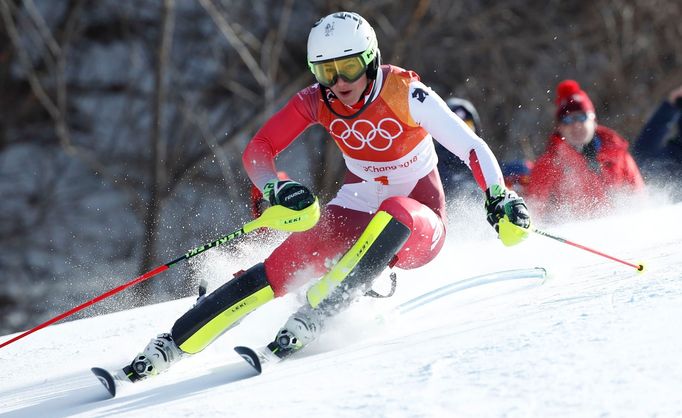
point(106, 379)
point(251, 357)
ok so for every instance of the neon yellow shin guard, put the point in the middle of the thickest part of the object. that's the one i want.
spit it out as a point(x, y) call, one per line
point(222, 309)
point(366, 259)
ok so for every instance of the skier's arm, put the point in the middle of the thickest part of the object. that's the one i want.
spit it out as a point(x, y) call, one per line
point(432, 114)
point(274, 136)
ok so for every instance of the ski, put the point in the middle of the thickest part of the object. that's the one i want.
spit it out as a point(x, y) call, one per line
point(106, 379)
point(258, 359)
point(110, 380)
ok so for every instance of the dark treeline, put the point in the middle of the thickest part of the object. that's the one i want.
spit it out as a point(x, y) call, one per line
point(122, 121)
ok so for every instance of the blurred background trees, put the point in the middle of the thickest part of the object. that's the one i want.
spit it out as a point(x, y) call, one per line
point(122, 122)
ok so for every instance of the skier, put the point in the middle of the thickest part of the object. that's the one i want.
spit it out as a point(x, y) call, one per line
point(390, 210)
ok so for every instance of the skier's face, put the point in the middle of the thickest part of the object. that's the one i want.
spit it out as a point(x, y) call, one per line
point(349, 93)
point(577, 129)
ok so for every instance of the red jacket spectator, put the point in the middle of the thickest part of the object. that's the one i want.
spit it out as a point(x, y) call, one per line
point(584, 162)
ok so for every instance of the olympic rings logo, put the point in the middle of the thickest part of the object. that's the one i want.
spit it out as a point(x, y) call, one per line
point(363, 133)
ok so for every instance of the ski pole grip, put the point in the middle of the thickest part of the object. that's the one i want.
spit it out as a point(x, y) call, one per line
point(285, 219)
point(511, 234)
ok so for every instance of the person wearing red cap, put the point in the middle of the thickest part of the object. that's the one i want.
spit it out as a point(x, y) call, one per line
point(584, 164)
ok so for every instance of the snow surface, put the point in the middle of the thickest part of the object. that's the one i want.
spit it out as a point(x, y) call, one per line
point(594, 339)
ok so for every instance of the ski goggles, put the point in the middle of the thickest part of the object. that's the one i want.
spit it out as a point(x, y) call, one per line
point(574, 117)
point(350, 68)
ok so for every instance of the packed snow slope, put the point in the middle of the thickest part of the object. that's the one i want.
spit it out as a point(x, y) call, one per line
point(595, 338)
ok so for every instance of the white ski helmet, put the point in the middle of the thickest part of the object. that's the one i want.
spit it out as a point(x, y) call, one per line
point(341, 35)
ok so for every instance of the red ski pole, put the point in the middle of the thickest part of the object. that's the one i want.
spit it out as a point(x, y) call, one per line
point(276, 217)
point(99, 298)
point(639, 267)
point(509, 229)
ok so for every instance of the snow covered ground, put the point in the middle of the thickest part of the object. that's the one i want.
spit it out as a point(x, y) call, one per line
point(593, 339)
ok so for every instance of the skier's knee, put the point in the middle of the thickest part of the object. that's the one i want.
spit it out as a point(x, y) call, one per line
point(400, 207)
point(427, 231)
point(366, 259)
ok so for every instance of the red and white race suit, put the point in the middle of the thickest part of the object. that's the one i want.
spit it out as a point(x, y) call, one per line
point(391, 161)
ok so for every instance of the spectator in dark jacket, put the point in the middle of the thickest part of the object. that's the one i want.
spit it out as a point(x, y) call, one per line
point(584, 164)
point(658, 150)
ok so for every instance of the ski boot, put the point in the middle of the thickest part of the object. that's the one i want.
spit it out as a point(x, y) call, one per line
point(302, 327)
point(156, 358)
